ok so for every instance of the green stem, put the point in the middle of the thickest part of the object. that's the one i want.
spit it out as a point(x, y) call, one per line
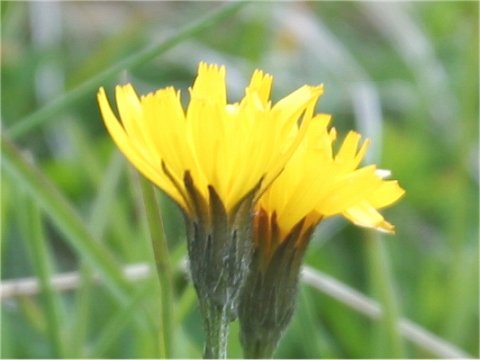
point(260, 351)
point(383, 284)
point(162, 262)
point(216, 331)
point(51, 111)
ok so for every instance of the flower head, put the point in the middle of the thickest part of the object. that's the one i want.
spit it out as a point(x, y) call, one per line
point(316, 184)
point(230, 148)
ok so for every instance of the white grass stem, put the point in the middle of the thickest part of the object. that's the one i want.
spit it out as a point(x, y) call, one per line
point(10, 289)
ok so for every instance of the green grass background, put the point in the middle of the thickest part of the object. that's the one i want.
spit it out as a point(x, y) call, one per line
point(70, 202)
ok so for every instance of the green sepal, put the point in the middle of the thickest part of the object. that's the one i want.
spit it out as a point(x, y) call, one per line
point(220, 250)
point(268, 297)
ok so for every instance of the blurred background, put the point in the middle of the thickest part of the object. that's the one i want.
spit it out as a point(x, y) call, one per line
point(403, 74)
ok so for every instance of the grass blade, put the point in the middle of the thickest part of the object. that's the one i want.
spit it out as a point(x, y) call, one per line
point(34, 234)
point(114, 328)
point(364, 305)
point(97, 222)
point(382, 282)
point(64, 217)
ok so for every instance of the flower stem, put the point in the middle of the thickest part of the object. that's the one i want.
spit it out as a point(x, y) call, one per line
point(259, 350)
point(162, 262)
point(216, 328)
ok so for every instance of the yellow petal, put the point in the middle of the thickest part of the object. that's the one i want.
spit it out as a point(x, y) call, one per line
point(348, 191)
point(349, 156)
point(289, 109)
point(210, 84)
point(286, 113)
point(363, 214)
point(118, 134)
point(260, 84)
point(387, 193)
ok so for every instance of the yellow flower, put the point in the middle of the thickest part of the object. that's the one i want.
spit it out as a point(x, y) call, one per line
point(230, 148)
point(316, 184)
point(214, 159)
